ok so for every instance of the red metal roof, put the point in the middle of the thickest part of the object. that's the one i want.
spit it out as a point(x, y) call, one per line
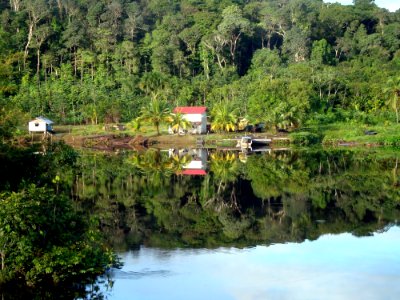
point(193, 172)
point(190, 109)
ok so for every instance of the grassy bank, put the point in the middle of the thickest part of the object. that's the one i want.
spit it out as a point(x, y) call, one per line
point(335, 134)
point(348, 134)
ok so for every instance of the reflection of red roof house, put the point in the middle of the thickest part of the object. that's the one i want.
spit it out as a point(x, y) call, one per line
point(197, 165)
point(195, 115)
point(192, 172)
point(189, 110)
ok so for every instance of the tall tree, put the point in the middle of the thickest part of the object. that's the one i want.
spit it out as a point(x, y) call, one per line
point(232, 27)
point(37, 10)
point(392, 89)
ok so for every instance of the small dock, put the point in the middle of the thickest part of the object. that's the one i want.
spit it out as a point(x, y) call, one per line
point(250, 142)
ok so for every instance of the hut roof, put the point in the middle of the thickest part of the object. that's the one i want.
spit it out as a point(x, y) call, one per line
point(43, 119)
point(190, 109)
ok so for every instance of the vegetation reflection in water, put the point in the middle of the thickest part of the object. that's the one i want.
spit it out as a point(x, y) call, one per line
point(239, 200)
point(281, 196)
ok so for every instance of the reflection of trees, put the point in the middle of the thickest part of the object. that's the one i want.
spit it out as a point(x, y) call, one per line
point(155, 165)
point(178, 162)
point(224, 167)
point(308, 194)
point(46, 240)
point(271, 176)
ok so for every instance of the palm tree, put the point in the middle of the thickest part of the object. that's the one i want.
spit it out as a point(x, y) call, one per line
point(177, 121)
point(392, 89)
point(155, 113)
point(282, 116)
point(223, 118)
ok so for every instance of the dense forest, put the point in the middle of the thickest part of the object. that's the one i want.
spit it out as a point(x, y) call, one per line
point(283, 62)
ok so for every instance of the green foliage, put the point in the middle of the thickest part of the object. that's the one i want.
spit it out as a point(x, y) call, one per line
point(42, 239)
point(178, 122)
point(321, 52)
point(155, 113)
point(305, 138)
point(94, 62)
point(392, 89)
point(223, 117)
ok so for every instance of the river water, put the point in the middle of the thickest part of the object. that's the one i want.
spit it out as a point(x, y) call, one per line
point(286, 224)
point(333, 267)
point(222, 224)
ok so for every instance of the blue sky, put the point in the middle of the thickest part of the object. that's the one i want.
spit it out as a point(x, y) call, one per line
point(391, 5)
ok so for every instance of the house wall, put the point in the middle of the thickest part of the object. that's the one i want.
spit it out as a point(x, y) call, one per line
point(197, 118)
point(41, 126)
point(204, 123)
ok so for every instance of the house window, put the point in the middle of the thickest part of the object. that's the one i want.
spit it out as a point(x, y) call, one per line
point(36, 124)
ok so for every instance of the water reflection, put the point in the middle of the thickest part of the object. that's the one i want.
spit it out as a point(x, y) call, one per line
point(191, 161)
point(246, 222)
point(145, 198)
point(119, 274)
point(334, 267)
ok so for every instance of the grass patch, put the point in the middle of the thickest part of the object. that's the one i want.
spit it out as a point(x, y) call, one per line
point(79, 130)
point(305, 138)
point(88, 130)
point(337, 133)
point(387, 134)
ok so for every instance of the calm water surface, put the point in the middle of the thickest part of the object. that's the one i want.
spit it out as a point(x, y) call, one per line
point(197, 224)
point(333, 267)
point(217, 224)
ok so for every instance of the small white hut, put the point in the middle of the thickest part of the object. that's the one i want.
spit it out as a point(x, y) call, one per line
point(41, 124)
point(196, 115)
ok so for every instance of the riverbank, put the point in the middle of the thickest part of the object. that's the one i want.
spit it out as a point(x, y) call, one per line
point(348, 134)
point(336, 134)
point(96, 136)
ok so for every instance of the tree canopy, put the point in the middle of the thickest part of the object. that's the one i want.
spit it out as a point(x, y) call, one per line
point(99, 61)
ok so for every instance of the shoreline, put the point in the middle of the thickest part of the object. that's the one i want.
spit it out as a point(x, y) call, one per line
point(331, 135)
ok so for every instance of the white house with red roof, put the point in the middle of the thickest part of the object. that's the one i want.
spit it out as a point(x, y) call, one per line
point(196, 115)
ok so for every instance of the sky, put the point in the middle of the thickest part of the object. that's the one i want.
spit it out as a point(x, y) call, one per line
point(391, 5)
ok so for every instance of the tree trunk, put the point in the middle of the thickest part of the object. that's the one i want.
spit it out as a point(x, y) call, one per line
point(3, 257)
point(38, 61)
point(219, 61)
point(30, 34)
point(75, 62)
point(60, 12)
point(15, 4)
point(82, 68)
